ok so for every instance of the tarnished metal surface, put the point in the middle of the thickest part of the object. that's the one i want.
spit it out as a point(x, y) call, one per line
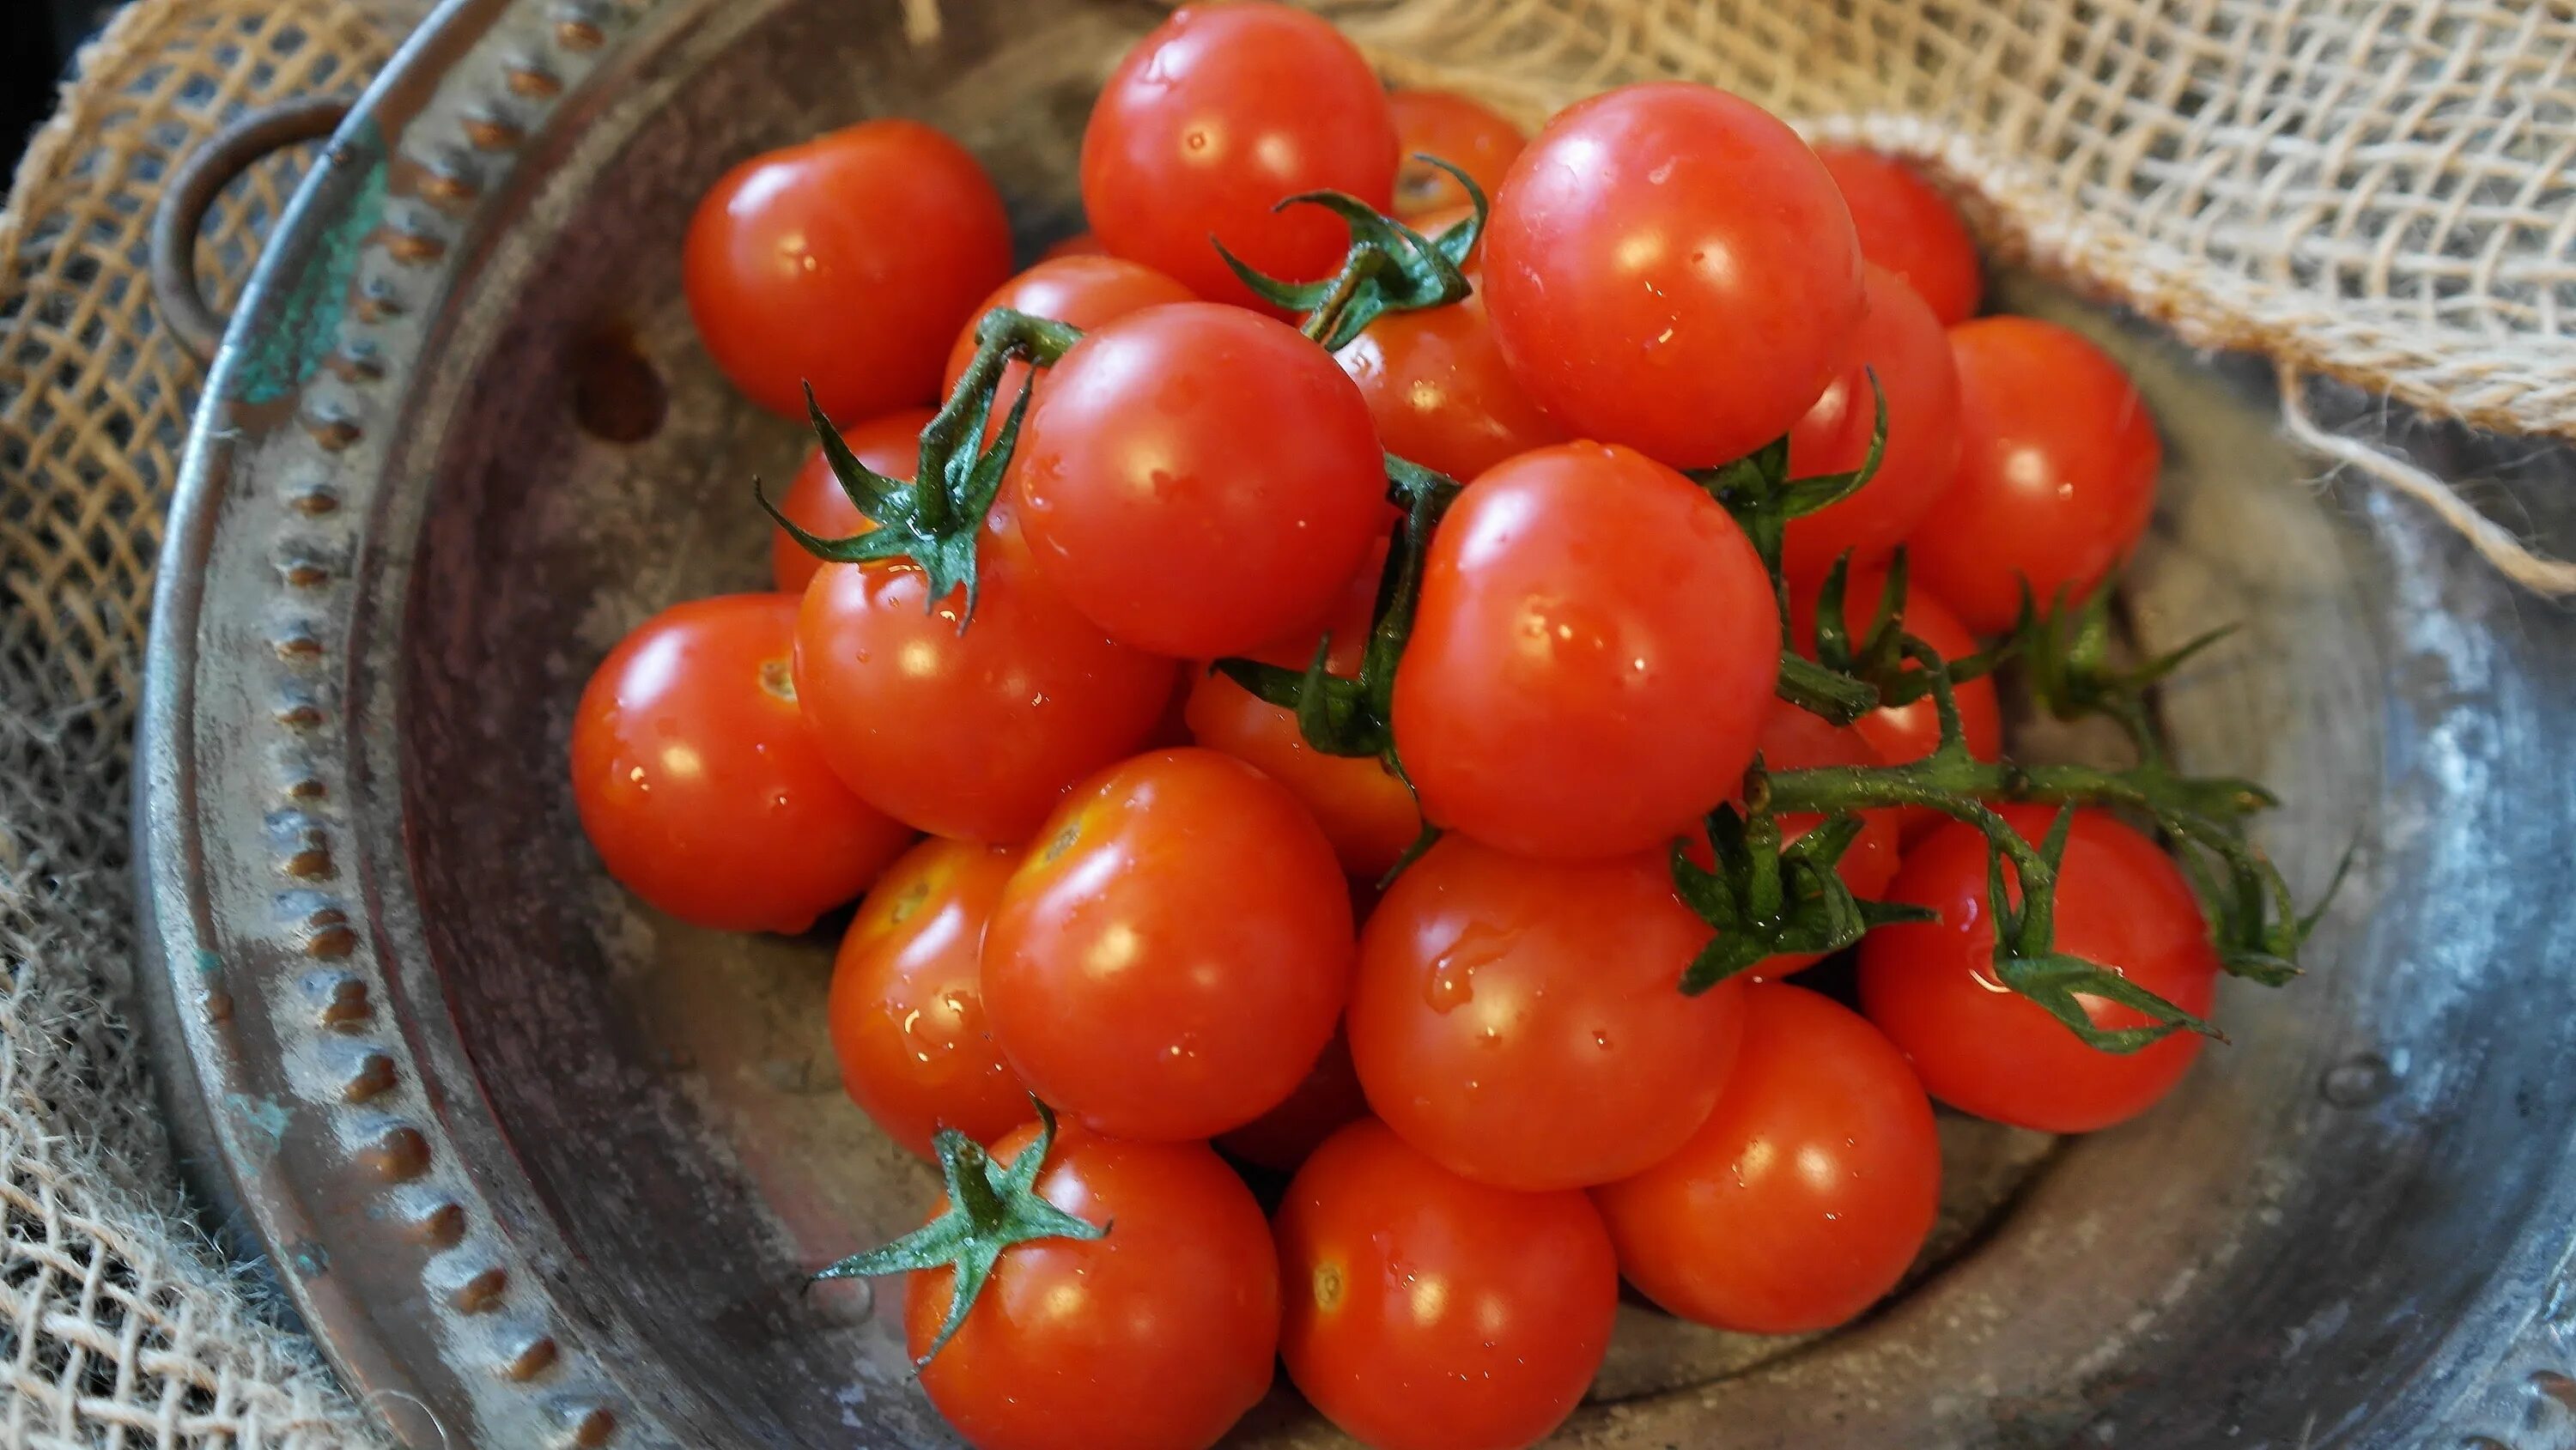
point(542, 1168)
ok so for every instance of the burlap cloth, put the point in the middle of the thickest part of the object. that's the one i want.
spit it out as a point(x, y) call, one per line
point(2381, 192)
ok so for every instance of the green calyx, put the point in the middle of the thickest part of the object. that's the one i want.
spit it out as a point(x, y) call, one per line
point(991, 1206)
point(1389, 268)
point(1768, 900)
point(936, 520)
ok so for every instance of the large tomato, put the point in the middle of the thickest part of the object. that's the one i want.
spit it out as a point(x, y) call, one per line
point(1171, 958)
point(2121, 904)
point(966, 732)
point(1593, 656)
point(906, 1014)
point(1083, 291)
point(1460, 130)
point(1806, 1194)
point(1908, 228)
point(1442, 397)
point(1671, 268)
point(1426, 1312)
point(891, 445)
point(2057, 472)
point(1211, 121)
point(1900, 341)
point(696, 781)
point(1522, 1022)
point(1199, 479)
point(846, 262)
point(1157, 1335)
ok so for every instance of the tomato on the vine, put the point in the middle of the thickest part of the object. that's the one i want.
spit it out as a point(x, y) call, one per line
point(2122, 904)
point(1903, 734)
point(1199, 480)
point(1442, 396)
point(1806, 1194)
point(1593, 655)
point(1522, 1021)
point(1157, 1335)
point(2058, 459)
point(846, 262)
point(1670, 267)
point(1083, 291)
point(1215, 118)
point(1426, 1312)
point(1901, 343)
point(1793, 739)
point(889, 445)
point(906, 1015)
point(1908, 228)
point(1169, 960)
point(1460, 130)
point(1329, 1098)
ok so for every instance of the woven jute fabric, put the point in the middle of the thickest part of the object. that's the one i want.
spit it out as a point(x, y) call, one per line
point(2381, 192)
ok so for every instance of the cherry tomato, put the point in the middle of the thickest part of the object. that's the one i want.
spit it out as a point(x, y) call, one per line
point(1901, 342)
point(1085, 291)
point(1329, 1098)
point(1593, 655)
point(1366, 813)
point(1460, 130)
point(1426, 1312)
point(1080, 244)
point(1198, 479)
point(1522, 1021)
point(846, 262)
point(906, 1015)
point(1670, 268)
point(1436, 384)
point(2057, 472)
point(816, 501)
point(1908, 228)
point(966, 732)
point(1170, 959)
point(1157, 1335)
point(1792, 739)
point(697, 784)
point(1806, 1194)
point(1903, 734)
point(1211, 121)
point(2121, 904)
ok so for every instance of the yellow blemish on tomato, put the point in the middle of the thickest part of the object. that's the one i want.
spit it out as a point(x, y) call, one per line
point(1329, 1285)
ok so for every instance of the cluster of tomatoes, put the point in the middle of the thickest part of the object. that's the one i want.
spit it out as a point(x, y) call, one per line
point(1103, 876)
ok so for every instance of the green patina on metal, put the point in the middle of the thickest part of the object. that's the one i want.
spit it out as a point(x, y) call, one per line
point(277, 359)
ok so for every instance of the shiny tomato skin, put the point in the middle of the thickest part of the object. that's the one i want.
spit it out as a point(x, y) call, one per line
point(1329, 1098)
point(1593, 656)
point(1909, 228)
point(1903, 734)
point(2121, 904)
point(1172, 956)
point(906, 1013)
point(888, 229)
point(1436, 383)
point(697, 784)
point(2058, 458)
point(970, 733)
point(1669, 267)
point(1212, 120)
point(1084, 291)
point(1158, 1335)
point(1460, 130)
point(1426, 1312)
point(1807, 1193)
point(1792, 739)
point(1199, 480)
point(1898, 339)
point(1521, 1021)
point(1080, 244)
point(889, 444)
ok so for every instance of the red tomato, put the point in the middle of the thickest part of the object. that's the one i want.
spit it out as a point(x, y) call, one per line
point(972, 733)
point(1460, 130)
point(1366, 813)
point(846, 262)
point(1170, 959)
point(1084, 291)
point(1594, 653)
point(697, 784)
point(1216, 117)
point(816, 501)
point(2121, 904)
point(1157, 1335)
point(1199, 479)
point(1900, 340)
point(1080, 244)
point(2057, 472)
point(1522, 1022)
point(1671, 268)
point(1329, 1098)
point(1792, 739)
point(906, 1016)
point(1806, 1194)
point(1425, 1312)
point(1436, 384)
point(1908, 228)
point(1903, 734)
